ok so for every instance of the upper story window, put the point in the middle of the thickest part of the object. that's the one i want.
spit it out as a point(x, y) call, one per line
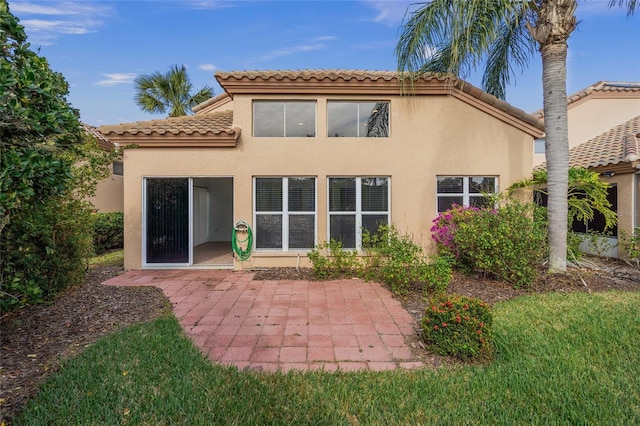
point(284, 119)
point(358, 119)
point(118, 168)
point(464, 190)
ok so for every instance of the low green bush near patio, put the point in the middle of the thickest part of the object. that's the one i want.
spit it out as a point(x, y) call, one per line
point(559, 359)
point(390, 257)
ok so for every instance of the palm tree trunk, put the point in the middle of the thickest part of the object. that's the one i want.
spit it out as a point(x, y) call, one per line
point(554, 84)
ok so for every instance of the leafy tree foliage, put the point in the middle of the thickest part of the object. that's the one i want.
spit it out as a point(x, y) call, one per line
point(170, 93)
point(36, 122)
point(48, 166)
point(586, 195)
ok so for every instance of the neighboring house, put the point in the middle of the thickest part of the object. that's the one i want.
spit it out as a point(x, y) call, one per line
point(109, 196)
point(614, 154)
point(305, 156)
point(598, 141)
point(595, 110)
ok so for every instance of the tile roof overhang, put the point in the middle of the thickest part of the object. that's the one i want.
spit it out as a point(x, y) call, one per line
point(201, 130)
point(212, 103)
point(601, 90)
point(101, 140)
point(379, 83)
point(617, 150)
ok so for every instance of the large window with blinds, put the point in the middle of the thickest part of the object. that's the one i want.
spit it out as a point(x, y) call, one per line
point(357, 203)
point(285, 213)
point(464, 191)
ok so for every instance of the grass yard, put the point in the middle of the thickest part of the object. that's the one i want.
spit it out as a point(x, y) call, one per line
point(109, 258)
point(560, 359)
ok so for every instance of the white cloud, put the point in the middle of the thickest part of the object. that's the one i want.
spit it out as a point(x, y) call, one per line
point(207, 67)
point(312, 44)
point(390, 12)
point(71, 18)
point(209, 5)
point(287, 51)
point(325, 38)
point(117, 78)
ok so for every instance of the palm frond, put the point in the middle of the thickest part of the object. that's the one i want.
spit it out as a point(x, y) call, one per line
point(169, 92)
point(456, 36)
point(631, 5)
point(514, 47)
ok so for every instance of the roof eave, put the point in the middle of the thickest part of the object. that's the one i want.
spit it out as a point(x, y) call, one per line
point(182, 140)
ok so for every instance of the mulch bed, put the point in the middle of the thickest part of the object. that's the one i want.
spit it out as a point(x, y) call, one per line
point(36, 339)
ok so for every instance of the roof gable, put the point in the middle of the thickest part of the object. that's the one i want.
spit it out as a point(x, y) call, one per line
point(619, 147)
point(361, 82)
point(212, 103)
point(601, 90)
point(101, 140)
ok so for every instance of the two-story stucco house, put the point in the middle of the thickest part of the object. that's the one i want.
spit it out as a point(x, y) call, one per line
point(305, 156)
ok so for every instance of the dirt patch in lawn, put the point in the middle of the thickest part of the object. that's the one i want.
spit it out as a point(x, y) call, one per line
point(35, 340)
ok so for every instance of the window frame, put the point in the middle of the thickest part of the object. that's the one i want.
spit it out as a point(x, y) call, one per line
point(285, 214)
point(284, 103)
point(465, 194)
point(357, 212)
point(117, 168)
point(358, 103)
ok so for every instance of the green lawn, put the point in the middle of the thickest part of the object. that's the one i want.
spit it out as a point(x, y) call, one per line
point(109, 258)
point(561, 359)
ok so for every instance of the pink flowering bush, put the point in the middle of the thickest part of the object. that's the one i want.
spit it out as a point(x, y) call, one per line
point(445, 225)
point(458, 326)
point(508, 243)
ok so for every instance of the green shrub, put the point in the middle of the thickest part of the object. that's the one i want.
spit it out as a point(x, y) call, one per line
point(389, 257)
point(399, 261)
point(108, 231)
point(330, 260)
point(437, 275)
point(44, 249)
point(631, 245)
point(506, 242)
point(458, 326)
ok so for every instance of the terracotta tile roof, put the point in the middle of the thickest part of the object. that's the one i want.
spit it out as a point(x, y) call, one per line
point(215, 123)
point(306, 75)
point(369, 82)
point(101, 140)
point(619, 145)
point(603, 88)
point(210, 101)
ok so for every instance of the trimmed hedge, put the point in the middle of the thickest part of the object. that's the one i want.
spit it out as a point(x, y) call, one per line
point(108, 231)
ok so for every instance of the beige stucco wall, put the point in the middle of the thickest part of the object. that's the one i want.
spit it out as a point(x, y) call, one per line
point(109, 196)
point(591, 117)
point(627, 210)
point(430, 136)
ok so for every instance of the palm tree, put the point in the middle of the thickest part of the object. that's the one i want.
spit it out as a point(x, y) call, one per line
point(159, 93)
point(455, 36)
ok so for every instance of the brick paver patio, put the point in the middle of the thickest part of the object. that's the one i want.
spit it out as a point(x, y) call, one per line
point(282, 325)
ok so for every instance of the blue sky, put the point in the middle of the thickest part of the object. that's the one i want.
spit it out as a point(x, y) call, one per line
point(100, 46)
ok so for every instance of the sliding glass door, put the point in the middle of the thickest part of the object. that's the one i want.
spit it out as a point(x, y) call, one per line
point(167, 220)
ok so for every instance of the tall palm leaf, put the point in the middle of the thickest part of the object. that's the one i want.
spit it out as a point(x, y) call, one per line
point(457, 36)
point(170, 93)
